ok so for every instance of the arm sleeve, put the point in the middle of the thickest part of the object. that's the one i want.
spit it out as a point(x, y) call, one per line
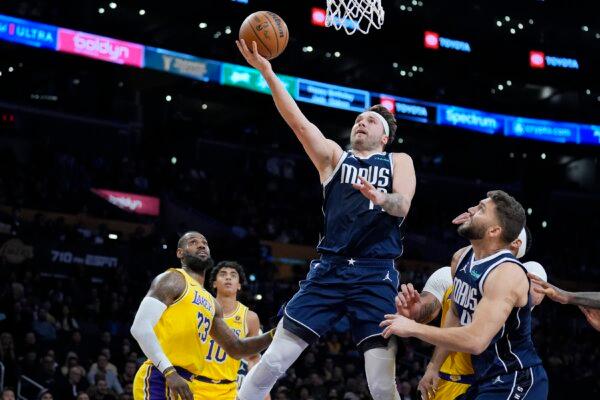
point(142, 330)
point(439, 282)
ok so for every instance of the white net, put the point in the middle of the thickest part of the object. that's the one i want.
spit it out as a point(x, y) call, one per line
point(354, 15)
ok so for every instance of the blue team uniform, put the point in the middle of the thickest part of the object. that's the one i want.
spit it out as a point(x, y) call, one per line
point(509, 369)
point(355, 276)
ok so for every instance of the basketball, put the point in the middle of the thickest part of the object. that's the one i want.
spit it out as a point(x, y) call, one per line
point(269, 32)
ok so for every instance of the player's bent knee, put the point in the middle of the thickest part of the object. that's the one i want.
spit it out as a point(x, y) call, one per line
point(268, 370)
point(382, 389)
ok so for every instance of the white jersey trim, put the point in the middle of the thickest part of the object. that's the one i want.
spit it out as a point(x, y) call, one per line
point(496, 347)
point(488, 258)
point(298, 322)
point(511, 352)
point(492, 267)
point(532, 382)
point(513, 387)
point(335, 170)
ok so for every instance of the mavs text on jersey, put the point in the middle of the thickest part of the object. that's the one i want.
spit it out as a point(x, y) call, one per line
point(355, 276)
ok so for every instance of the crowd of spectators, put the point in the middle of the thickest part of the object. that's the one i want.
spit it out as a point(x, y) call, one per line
point(66, 327)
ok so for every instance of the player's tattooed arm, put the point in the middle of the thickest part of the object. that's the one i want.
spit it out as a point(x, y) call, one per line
point(396, 204)
point(167, 287)
point(422, 307)
point(504, 289)
point(584, 299)
point(234, 346)
point(429, 310)
point(404, 186)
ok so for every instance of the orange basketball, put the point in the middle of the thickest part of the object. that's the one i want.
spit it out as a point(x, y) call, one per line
point(269, 32)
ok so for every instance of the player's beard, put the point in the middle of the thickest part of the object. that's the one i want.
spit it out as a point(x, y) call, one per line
point(471, 231)
point(362, 144)
point(197, 264)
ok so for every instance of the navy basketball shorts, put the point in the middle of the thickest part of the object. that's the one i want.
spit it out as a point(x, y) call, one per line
point(527, 384)
point(364, 290)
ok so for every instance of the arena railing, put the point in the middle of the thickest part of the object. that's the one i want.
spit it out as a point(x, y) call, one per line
point(31, 382)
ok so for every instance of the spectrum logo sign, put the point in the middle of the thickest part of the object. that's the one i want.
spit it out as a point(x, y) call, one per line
point(100, 48)
point(434, 41)
point(26, 32)
point(539, 60)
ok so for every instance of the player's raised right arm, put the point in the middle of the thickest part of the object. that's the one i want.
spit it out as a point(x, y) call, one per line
point(324, 153)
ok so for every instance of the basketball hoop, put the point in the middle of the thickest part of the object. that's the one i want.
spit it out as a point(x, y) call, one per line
point(354, 15)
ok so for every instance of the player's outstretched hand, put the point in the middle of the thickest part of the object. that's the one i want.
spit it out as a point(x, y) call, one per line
point(369, 191)
point(428, 384)
point(179, 387)
point(398, 325)
point(408, 301)
point(554, 293)
point(593, 316)
point(252, 56)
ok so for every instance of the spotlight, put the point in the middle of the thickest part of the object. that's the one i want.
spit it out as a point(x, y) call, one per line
point(113, 236)
point(173, 160)
point(168, 98)
point(112, 5)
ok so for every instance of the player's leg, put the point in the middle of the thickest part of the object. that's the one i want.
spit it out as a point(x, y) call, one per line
point(149, 384)
point(380, 368)
point(528, 384)
point(281, 354)
point(313, 310)
point(372, 298)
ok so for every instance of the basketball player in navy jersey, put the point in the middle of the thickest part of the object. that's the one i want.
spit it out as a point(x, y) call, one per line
point(367, 194)
point(491, 316)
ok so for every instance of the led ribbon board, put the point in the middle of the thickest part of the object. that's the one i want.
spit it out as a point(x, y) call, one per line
point(324, 94)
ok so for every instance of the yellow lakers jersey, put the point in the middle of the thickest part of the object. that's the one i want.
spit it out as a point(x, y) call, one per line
point(456, 363)
point(219, 366)
point(182, 330)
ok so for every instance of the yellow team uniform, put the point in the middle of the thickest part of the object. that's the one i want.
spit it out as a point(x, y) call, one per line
point(457, 371)
point(220, 373)
point(182, 332)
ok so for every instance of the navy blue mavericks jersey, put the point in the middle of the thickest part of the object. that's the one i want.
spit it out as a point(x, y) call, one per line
point(512, 348)
point(354, 226)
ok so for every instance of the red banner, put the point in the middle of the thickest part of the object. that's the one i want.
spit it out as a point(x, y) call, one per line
point(100, 47)
point(131, 202)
